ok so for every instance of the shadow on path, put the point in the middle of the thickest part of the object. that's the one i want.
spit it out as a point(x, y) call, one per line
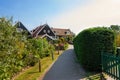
point(66, 68)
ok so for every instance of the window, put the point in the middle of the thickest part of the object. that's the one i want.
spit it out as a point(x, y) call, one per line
point(19, 30)
point(48, 31)
point(44, 31)
point(67, 32)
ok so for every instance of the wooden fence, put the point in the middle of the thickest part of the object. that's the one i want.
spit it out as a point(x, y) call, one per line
point(111, 65)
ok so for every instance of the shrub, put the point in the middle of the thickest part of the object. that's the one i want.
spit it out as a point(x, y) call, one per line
point(17, 51)
point(116, 30)
point(117, 40)
point(65, 46)
point(60, 44)
point(30, 60)
point(89, 43)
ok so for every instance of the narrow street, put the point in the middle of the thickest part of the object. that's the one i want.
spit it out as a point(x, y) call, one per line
point(66, 68)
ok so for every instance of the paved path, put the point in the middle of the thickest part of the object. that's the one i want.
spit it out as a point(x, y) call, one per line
point(65, 68)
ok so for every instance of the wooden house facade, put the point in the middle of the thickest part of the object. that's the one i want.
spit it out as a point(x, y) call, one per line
point(43, 31)
point(21, 28)
point(51, 33)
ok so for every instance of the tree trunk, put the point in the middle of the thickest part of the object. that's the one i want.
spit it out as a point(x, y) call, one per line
point(39, 65)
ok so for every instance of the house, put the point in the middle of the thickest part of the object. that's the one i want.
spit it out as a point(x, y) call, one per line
point(67, 34)
point(21, 28)
point(62, 32)
point(51, 33)
point(43, 31)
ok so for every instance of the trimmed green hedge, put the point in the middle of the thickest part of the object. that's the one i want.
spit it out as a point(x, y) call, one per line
point(89, 43)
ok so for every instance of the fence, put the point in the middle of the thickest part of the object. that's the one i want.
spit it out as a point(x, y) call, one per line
point(111, 65)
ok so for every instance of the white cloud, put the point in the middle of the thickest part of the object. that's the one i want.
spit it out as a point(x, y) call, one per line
point(95, 13)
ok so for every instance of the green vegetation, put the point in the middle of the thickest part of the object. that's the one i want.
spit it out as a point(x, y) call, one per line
point(89, 44)
point(61, 44)
point(116, 30)
point(33, 73)
point(17, 51)
point(93, 76)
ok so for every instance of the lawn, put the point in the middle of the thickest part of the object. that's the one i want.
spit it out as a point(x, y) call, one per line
point(33, 73)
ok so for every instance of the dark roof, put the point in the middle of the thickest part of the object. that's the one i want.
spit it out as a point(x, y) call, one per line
point(56, 31)
point(20, 25)
point(38, 29)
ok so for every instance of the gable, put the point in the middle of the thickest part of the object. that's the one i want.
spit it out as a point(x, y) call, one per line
point(20, 27)
point(46, 30)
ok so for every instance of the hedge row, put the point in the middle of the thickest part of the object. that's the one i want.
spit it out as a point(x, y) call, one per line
point(89, 44)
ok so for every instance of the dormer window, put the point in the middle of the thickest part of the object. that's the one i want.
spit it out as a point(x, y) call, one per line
point(44, 31)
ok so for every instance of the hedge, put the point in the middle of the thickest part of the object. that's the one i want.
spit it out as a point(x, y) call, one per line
point(89, 44)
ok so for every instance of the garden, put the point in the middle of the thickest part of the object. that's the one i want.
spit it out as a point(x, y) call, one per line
point(19, 52)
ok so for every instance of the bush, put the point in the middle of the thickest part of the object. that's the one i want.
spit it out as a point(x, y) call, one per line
point(61, 44)
point(30, 60)
point(117, 40)
point(17, 51)
point(89, 43)
point(65, 46)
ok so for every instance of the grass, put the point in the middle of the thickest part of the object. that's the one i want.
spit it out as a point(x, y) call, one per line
point(92, 76)
point(33, 73)
point(95, 76)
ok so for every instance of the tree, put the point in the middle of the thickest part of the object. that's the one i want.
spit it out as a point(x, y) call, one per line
point(17, 51)
point(12, 45)
point(116, 29)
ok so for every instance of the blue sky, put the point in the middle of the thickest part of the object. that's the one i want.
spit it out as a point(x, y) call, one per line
point(35, 12)
point(73, 14)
